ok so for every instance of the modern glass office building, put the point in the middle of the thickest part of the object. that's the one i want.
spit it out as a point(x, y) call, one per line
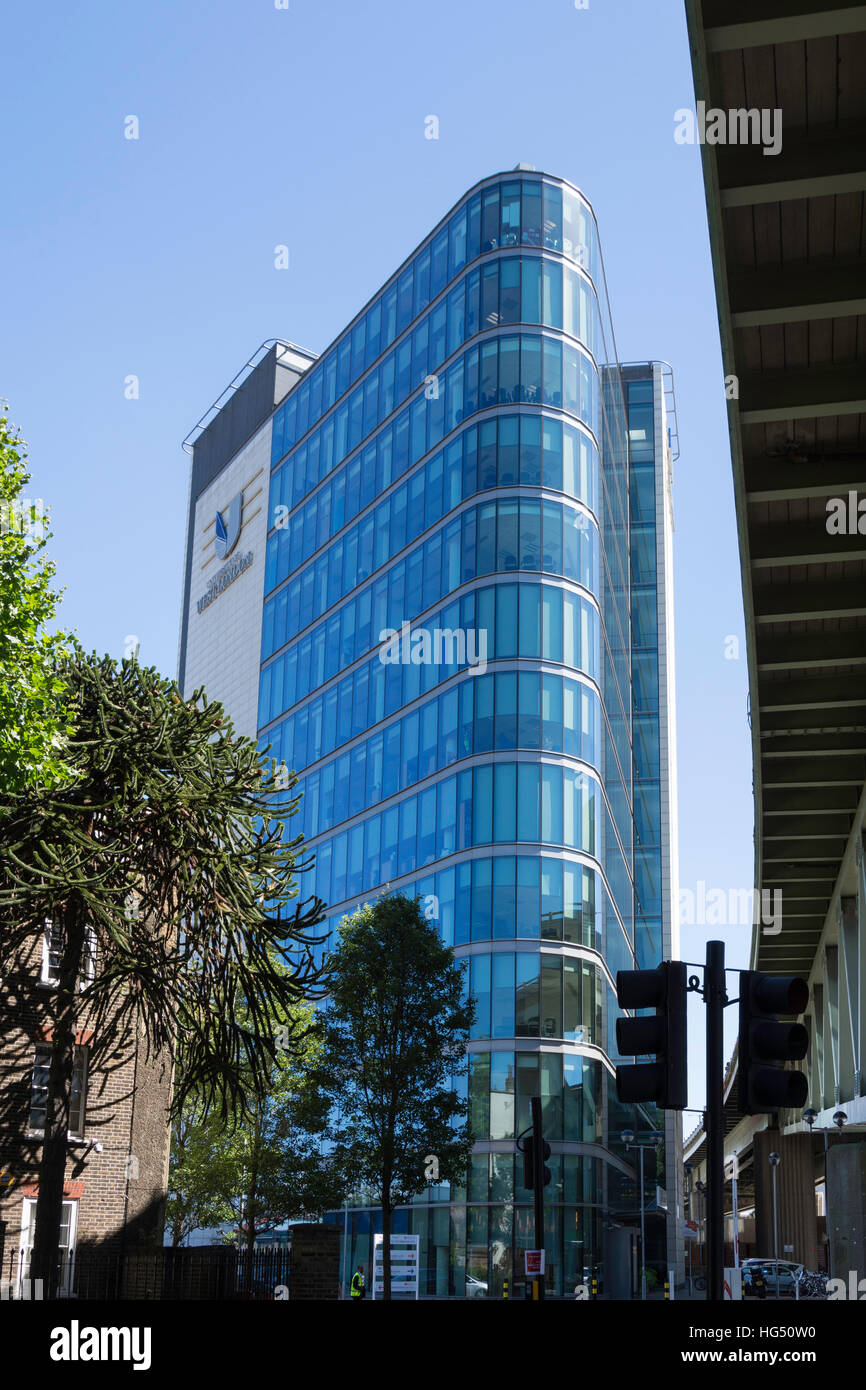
point(463, 586)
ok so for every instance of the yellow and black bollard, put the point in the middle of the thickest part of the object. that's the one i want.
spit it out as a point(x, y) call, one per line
point(505, 1288)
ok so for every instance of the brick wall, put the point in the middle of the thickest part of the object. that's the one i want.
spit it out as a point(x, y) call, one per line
point(315, 1262)
point(126, 1113)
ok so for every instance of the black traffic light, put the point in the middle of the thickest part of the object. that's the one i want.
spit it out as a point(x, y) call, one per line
point(665, 1080)
point(529, 1160)
point(765, 1044)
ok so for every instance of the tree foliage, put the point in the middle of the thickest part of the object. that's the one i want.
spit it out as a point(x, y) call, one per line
point(395, 1029)
point(195, 1184)
point(33, 721)
point(269, 1167)
point(167, 844)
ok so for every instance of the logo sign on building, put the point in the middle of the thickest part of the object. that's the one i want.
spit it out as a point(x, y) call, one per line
point(405, 1255)
point(227, 530)
point(533, 1263)
point(228, 527)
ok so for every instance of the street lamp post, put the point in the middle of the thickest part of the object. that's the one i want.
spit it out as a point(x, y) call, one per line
point(809, 1117)
point(345, 1247)
point(775, 1160)
point(735, 1173)
point(688, 1169)
point(627, 1137)
point(701, 1189)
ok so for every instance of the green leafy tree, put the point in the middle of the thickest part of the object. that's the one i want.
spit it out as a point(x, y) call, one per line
point(194, 1186)
point(166, 847)
point(272, 1167)
point(33, 722)
point(395, 1029)
point(268, 1168)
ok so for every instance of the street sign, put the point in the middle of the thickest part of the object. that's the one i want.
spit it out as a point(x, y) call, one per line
point(405, 1258)
point(534, 1263)
point(690, 1230)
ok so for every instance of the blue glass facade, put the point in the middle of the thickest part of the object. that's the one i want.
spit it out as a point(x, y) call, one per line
point(457, 466)
point(645, 671)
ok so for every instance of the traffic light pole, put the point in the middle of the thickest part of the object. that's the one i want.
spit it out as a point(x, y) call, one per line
point(715, 998)
point(765, 1045)
point(538, 1184)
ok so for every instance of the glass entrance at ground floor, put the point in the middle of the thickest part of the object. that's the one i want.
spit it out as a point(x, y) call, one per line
point(476, 1251)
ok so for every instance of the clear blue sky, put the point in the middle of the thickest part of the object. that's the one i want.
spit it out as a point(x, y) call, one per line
point(305, 127)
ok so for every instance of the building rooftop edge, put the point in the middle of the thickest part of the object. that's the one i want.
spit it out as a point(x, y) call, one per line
point(237, 380)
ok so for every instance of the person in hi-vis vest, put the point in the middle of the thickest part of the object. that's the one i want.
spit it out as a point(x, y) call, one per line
point(358, 1288)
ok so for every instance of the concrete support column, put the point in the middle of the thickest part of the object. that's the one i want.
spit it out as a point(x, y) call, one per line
point(846, 1198)
point(795, 1192)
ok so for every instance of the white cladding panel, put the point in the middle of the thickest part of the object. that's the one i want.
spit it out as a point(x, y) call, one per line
point(224, 639)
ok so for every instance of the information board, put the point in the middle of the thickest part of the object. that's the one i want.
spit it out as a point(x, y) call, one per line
point(405, 1256)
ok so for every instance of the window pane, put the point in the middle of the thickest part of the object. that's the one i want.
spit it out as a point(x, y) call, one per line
point(479, 988)
point(509, 290)
point(571, 1000)
point(503, 898)
point(507, 538)
point(530, 620)
point(502, 1095)
point(551, 805)
point(505, 803)
point(551, 1004)
point(39, 1087)
point(506, 620)
point(526, 996)
point(530, 534)
point(552, 294)
point(481, 899)
point(530, 275)
point(528, 881)
point(528, 802)
point(551, 899)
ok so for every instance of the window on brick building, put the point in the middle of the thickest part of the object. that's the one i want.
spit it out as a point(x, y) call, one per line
point(39, 1091)
point(66, 1244)
point(52, 949)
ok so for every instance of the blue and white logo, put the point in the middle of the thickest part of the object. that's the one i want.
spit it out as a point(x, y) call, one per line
point(228, 526)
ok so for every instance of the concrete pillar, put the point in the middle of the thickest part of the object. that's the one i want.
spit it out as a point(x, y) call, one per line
point(846, 1201)
point(795, 1179)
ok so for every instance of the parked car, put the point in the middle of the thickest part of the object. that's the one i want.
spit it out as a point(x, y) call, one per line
point(784, 1275)
point(475, 1288)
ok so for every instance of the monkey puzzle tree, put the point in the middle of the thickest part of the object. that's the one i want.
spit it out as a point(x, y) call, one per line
point(162, 848)
point(395, 1028)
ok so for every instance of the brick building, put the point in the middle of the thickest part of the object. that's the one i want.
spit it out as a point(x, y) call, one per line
point(118, 1143)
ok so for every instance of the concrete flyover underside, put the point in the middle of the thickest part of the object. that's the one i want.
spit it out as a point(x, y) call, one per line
point(788, 242)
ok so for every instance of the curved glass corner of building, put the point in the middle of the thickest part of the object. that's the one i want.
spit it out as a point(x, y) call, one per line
point(447, 664)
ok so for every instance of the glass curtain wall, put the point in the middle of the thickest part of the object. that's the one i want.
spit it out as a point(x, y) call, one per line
point(451, 480)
